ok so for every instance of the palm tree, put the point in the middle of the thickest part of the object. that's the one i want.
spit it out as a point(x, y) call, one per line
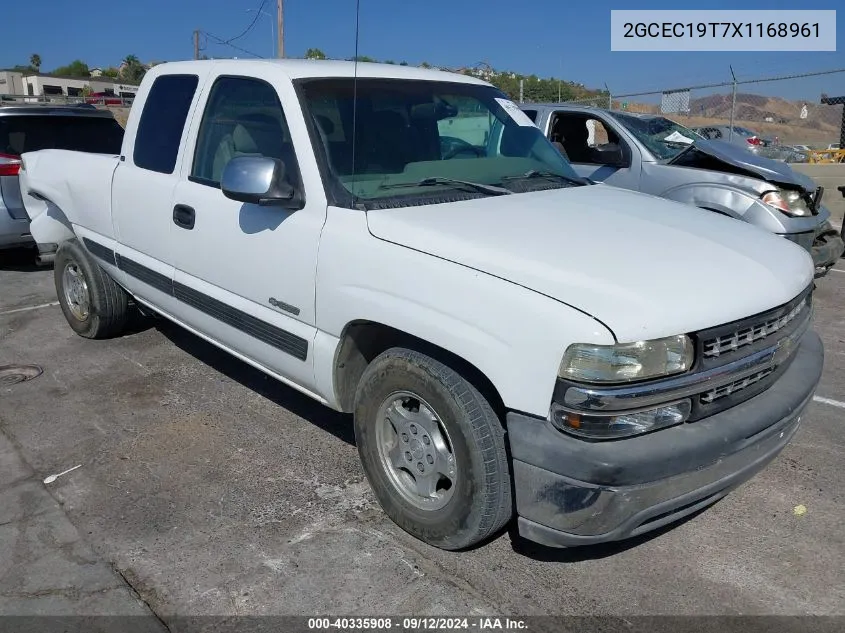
point(35, 61)
point(132, 69)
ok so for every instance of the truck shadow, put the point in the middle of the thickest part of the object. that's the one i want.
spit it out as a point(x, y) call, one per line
point(338, 424)
point(546, 554)
point(20, 260)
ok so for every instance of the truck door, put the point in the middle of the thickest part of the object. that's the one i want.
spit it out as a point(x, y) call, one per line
point(143, 186)
point(244, 273)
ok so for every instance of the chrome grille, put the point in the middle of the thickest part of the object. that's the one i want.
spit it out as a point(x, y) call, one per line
point(725, 390)
point(750, 333)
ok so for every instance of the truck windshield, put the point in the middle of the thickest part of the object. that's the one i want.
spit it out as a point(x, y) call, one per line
point(663, 137)
point(392, 142)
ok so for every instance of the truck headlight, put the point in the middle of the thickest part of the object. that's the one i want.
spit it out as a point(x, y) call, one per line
point(625, 362)
point(789, 202)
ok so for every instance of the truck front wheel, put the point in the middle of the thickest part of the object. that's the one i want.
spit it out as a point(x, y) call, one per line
point(94, 305)
point(433, 450)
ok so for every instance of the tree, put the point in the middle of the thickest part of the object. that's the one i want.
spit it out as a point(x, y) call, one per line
point(111, 71)
point(425, 65)
point(35, 61)
point(389, 61)
point(77, 68)
point(403, 63)
point(314, 53)
point(132, 69)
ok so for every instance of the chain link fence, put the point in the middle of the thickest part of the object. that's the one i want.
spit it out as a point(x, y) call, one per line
point(60, 99)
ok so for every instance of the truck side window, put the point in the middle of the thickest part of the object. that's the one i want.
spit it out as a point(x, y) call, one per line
point(162, 121)
point(243, 117)
point(579, 137)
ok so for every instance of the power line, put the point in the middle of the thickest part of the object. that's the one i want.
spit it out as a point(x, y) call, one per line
point(251, 24)
point(220, 40)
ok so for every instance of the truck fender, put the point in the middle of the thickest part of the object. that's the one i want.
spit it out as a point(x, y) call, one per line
point(721, 199)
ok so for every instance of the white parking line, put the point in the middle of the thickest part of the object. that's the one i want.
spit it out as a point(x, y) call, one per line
point(833, 403)
point(38, 307)
point(836, 270)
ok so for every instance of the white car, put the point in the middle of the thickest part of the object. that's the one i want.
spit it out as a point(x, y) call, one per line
point(405, 245)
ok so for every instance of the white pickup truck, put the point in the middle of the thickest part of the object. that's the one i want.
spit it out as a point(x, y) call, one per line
point(405, 245)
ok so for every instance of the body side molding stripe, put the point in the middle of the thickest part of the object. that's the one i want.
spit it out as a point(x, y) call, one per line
point(99, 251)
point(281, 339)
point(263, 331)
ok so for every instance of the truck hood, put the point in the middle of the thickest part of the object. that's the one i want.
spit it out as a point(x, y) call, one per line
point(644, 266)
point(753, 165)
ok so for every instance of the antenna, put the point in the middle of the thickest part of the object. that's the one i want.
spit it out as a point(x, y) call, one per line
point(355, 97)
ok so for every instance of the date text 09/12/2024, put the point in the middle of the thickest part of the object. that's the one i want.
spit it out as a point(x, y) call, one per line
point(416, 624)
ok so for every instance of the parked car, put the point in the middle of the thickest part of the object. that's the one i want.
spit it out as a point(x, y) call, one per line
point(655, 155)
point(28, 128)
point(750, 141)
point(833, 146)
point(105, 98)
point(796, 153)
point(498, 326)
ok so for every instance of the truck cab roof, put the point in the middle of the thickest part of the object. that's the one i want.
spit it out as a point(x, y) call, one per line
point(318, 68)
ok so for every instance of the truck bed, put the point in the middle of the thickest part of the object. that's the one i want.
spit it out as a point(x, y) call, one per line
point(62, 188)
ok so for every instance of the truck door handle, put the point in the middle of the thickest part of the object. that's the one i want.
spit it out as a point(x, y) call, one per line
point(184, 216)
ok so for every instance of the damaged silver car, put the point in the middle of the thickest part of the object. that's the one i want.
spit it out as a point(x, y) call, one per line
point(658, 156)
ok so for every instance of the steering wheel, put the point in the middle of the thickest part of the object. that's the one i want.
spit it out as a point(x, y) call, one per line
point(459, 146)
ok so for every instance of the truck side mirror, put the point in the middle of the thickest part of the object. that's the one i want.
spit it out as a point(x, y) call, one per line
point(610, 154)
point(258, 180)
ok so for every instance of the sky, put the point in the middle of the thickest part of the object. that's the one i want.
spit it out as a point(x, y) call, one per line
point(560, 38)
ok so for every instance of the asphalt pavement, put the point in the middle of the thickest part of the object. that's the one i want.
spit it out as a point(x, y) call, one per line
point(207, 488)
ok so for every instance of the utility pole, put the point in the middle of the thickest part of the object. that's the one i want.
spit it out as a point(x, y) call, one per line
point(280, 29)
point(196, 44)
point(733, 104)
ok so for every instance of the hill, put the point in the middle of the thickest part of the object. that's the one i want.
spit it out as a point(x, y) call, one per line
point(768, 116)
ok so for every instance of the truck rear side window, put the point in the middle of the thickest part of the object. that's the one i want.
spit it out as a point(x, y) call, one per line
point(162, 121)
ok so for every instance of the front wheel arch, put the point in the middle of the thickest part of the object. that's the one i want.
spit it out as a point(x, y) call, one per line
point(363, 340)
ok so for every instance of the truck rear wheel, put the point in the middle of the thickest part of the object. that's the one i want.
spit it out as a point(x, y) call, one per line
point(94, 305)
point(433, 450)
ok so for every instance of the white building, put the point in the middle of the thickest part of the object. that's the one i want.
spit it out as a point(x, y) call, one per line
point(17, 83)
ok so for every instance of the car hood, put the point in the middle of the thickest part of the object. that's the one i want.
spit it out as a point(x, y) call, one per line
point(644, 266)
point(757, 166)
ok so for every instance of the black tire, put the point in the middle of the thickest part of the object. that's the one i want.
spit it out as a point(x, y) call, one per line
point(108, 302)
point(480, 504)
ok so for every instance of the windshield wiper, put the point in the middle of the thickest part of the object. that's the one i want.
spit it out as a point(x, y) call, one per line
point(492, 190)
point(536, 173)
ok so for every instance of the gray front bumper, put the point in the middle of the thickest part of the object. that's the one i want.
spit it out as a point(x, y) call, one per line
point(573, 492)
